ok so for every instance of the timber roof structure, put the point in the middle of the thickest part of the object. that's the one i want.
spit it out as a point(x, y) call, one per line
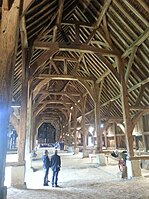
point(75, 48)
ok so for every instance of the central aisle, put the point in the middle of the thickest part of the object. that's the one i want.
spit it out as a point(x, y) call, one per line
point(81, 179)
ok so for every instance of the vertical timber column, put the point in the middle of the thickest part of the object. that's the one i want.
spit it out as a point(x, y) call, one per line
point(126, 109)
point(33, 134)
point(115, 129)
point(69, 128)
point(97, 126)
point(133, 166)
point(31, 121)
point(106, 141)
point(100, 157)
point(23, 115)
point(83, 104)
point(8, 46)
point(28, 146)
point(75, 131)
point(97, 116)
point(20, 168)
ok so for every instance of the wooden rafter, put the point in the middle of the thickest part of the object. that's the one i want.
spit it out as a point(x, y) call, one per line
point(142, 89)
point(26, 5)
point(137, 42)
point(129, 90)
point(55, 67)
point(130, 62)
point(46, 55)
point(58, 20)
point(99, 20)
point(23, 31)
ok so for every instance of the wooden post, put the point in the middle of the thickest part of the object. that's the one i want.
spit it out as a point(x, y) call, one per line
point(98, 130)
point(33, 133)
point(69, 128)
point(75, 128)
point(29, 122)
point(8, 47)
point(126, 109)
point(83, 103)
point(106, 141)
point(23, 113)
point(115, 129)
point(97, 126)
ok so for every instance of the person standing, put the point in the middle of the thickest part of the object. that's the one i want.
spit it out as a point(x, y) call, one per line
point(46, 166)
point(55, 166)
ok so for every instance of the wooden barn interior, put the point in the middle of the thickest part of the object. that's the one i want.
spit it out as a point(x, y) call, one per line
point(74, 72)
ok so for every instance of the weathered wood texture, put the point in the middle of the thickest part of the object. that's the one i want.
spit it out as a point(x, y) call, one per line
point(8, 46)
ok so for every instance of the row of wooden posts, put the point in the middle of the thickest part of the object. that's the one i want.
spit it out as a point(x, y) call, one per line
point(9, 31)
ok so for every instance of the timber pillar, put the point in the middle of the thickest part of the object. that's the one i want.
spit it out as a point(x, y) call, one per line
point(8, 46)
point(97, 117)
point(132, 165)
point(76, 149)
point(83, 104)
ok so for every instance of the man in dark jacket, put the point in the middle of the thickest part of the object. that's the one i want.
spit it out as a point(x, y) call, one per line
point(46, 165)
point(55, 166)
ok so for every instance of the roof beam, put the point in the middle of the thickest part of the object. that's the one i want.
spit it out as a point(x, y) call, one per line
point(40, 60)
point(59, 93)
point(82, 48)
point(81, 24)
point(139, 108)
point(63, 77)
point(62, 58)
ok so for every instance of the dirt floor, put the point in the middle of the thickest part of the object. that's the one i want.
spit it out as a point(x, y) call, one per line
point(82, 179)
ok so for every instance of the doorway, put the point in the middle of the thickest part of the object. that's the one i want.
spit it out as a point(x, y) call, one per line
point(46, 134)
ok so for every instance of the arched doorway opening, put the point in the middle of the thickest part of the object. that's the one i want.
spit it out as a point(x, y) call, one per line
point(46, 134)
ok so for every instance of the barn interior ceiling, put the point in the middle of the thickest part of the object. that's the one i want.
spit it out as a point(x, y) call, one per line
point(73, 47)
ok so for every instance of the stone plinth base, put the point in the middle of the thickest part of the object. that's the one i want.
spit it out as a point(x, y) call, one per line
point(3, 192)
point(76, 150)
point(100, 159)
point(145, 164)
point(133, 168)
point(81, 154)
point(18, 176)
point(65, 147)
point(70, 149)
point(86, 153)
